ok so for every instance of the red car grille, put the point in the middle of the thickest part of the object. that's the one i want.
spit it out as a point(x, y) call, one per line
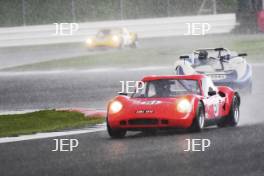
point(143, 122)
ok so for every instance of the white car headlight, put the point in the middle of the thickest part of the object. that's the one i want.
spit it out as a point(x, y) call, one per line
point(89, 41)
point(115, 38)
point(115, 107)
point(184, 106)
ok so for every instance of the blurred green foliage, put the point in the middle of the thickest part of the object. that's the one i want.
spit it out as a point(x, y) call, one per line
point(34, 12)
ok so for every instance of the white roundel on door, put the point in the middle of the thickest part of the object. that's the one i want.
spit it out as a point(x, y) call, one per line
point(216, 109)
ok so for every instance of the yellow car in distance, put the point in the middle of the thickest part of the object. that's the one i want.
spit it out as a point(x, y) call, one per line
point(112, 38)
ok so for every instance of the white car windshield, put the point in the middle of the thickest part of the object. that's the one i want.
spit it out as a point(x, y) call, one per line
point(167, 88)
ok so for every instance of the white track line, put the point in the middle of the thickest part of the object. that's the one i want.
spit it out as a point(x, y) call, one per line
point(257, 64)
point(97, 128)
point(99, 70)
point(18, 111)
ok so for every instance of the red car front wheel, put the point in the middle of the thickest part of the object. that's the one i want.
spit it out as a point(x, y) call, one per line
point(199, 121)
point(115, 133)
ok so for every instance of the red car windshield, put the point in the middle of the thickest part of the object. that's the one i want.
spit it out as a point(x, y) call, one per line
point(167, 88)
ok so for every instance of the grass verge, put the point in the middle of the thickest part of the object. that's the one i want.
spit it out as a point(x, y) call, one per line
point(43, 121)
point(124, 59)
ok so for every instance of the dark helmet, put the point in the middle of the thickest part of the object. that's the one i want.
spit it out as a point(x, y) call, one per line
point(203, 55)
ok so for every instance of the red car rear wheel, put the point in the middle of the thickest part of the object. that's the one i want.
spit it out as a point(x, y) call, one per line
point(233, 118)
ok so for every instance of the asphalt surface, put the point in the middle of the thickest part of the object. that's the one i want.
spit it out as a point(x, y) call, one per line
point(233, 151)
point(65, 89)
point(15, 56)
point(92, 89)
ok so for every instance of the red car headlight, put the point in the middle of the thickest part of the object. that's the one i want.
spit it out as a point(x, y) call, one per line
point(115, 107)
point(184, 106)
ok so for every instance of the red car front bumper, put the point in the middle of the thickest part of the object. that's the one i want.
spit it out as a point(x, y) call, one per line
point(150, 122)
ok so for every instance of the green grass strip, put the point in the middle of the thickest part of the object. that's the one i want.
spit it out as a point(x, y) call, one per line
point(43, 121)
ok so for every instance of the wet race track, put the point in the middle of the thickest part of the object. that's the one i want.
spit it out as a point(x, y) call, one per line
point(92, 89)
point(233, 151)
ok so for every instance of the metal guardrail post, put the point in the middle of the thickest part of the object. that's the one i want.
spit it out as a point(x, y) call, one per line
point(168, 8)
point(204, 10)
point(23, 12)
point(121, 9)
point(73, 10)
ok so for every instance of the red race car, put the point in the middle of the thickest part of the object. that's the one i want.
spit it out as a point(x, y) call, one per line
point(191, 101)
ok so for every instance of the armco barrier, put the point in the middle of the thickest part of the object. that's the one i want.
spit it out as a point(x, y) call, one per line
point(146, 28)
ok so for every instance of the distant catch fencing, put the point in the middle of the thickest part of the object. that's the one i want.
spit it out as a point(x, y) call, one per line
point(145, 28)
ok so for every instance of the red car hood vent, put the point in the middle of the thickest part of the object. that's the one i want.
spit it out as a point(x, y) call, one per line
point(152, 106)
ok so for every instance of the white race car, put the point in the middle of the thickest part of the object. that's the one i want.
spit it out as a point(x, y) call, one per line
point(225, 67)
